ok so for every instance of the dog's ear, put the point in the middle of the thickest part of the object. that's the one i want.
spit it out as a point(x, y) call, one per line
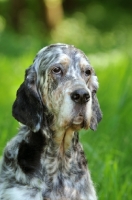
point(96, 111)
point(28, 108)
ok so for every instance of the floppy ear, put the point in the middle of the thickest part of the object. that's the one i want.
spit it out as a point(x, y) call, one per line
point(28, 107)
point(96, 111)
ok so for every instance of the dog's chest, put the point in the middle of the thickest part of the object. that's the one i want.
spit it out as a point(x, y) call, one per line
point(64, 180)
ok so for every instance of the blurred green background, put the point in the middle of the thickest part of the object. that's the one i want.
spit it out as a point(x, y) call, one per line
point(103, 30)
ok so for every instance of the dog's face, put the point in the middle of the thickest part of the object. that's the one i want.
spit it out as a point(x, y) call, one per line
point(60, 82)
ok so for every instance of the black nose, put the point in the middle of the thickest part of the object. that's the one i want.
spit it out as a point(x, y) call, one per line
point(80, 96)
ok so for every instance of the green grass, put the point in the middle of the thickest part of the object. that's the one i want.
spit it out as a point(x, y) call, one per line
point(108, 150)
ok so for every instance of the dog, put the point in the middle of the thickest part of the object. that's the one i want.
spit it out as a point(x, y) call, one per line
point(46, 161)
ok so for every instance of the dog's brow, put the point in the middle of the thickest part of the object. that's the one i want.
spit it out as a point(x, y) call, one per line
point(84, 63)
point(65, 60)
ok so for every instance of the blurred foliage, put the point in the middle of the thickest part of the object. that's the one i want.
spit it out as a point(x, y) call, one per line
point(103, 30)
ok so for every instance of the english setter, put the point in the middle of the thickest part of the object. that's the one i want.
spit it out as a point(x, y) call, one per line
point(45, 161)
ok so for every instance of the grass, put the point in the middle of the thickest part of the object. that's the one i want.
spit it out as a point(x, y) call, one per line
point(108, 150)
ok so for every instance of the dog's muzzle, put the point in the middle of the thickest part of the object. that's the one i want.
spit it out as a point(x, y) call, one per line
point(80, 97)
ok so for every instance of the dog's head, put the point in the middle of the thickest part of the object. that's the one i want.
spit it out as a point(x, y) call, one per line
point(60, 83)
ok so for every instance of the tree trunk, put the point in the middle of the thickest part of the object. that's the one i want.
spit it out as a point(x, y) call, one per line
point(16, 8)
point(53, 13)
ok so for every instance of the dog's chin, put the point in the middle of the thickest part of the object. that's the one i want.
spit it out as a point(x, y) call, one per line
point(78, 123)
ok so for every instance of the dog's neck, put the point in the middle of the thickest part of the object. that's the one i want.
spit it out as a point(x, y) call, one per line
point(61, 136)
point(62, 139)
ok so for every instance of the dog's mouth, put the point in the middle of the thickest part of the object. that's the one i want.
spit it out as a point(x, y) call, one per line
point(78, 122)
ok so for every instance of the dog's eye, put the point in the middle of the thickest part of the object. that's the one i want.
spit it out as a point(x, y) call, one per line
point(87, 72)
point(57, 70)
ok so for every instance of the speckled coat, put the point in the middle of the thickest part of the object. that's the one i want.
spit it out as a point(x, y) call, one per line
point(45, 160)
